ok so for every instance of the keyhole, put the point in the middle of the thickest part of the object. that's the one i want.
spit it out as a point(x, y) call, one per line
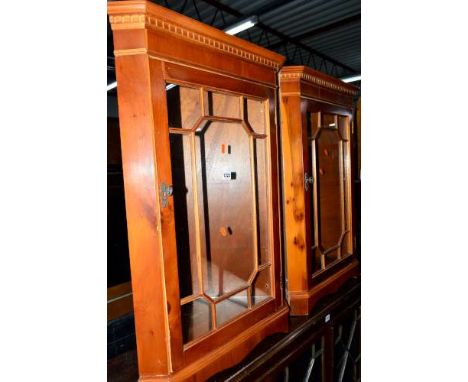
point(223, 148)
point(225, 231)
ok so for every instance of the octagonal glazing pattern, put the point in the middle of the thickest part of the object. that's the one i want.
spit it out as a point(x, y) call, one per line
point(331, 193)
point(220, 173)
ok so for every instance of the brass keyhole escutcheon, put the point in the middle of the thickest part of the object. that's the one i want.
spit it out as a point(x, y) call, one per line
point(165, 192)
point(308, 181)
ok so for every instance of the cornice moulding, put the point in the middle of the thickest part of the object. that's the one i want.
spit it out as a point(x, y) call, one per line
point(143, 16)
point(346, 89)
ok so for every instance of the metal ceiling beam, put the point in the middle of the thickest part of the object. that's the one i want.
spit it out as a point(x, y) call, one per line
point(324, 29)
point(224, 8)
point(305, 47)
point(272, 6)
point(282, 36)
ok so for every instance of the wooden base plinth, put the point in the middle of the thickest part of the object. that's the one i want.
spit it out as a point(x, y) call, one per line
point(301, 303)
point(230, 354)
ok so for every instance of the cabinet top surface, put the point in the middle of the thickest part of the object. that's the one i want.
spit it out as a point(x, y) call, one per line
point(314, 77)
point(139, 14)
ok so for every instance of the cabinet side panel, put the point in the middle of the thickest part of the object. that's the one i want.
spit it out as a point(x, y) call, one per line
point(294, 198)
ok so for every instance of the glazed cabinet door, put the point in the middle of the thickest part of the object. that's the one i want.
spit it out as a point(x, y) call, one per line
point(316, 125)
point(221, 188)
point(328, 187)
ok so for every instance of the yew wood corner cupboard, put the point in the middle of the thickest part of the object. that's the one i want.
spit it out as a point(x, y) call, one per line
point(200, 165)
point(316, 128)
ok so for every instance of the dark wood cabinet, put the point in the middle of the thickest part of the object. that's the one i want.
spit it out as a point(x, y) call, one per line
point(317, 128)
point(197, 112)
point(321, 347)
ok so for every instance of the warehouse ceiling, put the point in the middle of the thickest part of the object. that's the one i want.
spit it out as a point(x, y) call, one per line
point(322, 34)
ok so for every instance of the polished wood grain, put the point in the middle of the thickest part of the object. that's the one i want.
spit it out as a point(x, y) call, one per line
point(316, 119)
point(205, 261)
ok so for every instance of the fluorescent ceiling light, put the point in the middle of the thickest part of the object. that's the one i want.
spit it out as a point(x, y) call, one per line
point(352, 79)
point(242, 25)
point(112, 85)
point(170, 86)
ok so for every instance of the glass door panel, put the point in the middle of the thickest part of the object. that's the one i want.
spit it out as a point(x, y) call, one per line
point(328, 137)
point(219, 153)
point(228, 207)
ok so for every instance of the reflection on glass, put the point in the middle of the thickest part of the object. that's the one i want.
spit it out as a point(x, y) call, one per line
point(347, 349)
point(230, 308)
point(181, 154)
point(222, 105)
point(329, 149)
point(184, 108)
point(329, 178)
point(313, 124)
point(309, 366)
point(260, 149)
point(196, 319)
point(228, 207)
point(261, 287)
point(344, 130)
point(255, 115)
point(220, 180)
